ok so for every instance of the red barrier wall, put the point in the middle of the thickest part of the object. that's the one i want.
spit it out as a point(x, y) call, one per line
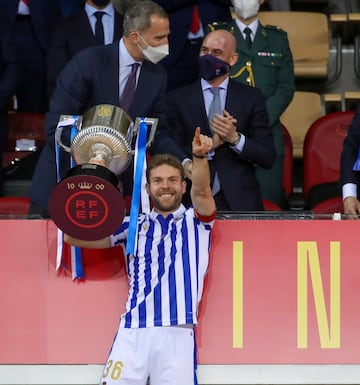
point(276, 292)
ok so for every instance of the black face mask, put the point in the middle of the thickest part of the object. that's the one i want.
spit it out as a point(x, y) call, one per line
point(101, 3)
point(210, 67)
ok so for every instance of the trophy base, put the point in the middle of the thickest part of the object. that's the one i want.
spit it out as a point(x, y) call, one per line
point(87, 204)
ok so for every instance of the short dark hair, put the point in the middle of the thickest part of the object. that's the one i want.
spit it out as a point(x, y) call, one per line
point(138, 16)
point(160, 159)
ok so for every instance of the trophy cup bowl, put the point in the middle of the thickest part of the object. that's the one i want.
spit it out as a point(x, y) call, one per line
point(87, 203)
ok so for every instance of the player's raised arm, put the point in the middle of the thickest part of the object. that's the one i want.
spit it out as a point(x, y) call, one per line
point(201, 195)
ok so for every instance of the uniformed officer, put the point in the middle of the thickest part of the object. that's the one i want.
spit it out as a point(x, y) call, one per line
point(265, 61)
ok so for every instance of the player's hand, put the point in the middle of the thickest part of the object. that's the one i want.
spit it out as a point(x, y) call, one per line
point(97, 160)
point(201, 144)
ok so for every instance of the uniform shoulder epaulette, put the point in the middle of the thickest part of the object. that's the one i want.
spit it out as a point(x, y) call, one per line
point(274, 28)
point(220, 25)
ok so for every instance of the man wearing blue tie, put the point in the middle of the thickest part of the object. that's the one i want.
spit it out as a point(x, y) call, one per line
point(234, 115)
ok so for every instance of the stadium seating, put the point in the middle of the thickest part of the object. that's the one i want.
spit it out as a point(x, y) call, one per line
point(311, 42)
point(322, 151)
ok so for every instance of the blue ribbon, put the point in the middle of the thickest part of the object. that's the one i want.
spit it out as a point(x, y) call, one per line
point(77, 270)
point(135, 200)
point(356, 166)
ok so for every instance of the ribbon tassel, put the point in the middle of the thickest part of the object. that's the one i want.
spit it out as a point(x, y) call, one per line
point(140, 155)
point(75, 252)
point(356, 166)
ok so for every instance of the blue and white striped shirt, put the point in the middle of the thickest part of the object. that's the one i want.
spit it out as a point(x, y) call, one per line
point(167, 274)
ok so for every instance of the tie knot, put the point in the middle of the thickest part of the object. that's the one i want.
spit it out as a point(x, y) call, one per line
point(215, 90)
point(247, 31)
point(99, 15)
point(134, 67)
point(248, 40)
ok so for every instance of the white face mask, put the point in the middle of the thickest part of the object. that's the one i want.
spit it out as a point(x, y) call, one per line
point(154, 54)
point(246, 8)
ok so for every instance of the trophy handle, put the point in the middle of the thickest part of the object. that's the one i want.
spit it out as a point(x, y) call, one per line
point(66, 121)
point(59, 130)
point(153, 122)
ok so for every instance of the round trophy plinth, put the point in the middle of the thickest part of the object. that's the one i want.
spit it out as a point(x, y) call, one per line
point(87, 204)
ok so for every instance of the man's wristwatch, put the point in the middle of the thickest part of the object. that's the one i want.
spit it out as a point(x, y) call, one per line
point(237, 140)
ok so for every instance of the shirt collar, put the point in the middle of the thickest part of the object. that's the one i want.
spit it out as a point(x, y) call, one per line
point(253, 26)
point(176, 214)
point(109, 10)
point(125, 58)
point(205, 85)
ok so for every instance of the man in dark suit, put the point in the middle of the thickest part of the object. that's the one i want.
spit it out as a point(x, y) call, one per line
point(25, 28)
point(241, 134)
point(187, 34)
point(350, 177)
point(73, 34)
point(265, 62)
point(97, 75)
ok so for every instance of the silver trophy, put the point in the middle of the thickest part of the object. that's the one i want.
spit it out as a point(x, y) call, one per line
point(106, 132)
point(87, 203)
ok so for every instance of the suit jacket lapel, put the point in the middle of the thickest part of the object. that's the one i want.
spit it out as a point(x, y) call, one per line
point(232, 98)
point(260, 41)
point(240, 42)
point(144, 87)
point(81, 21)
point(198, 109)
point(110, 73)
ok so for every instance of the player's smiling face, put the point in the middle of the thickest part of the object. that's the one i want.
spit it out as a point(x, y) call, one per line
point(165, 189)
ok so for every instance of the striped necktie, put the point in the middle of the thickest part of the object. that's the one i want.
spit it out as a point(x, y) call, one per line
point(129, 90)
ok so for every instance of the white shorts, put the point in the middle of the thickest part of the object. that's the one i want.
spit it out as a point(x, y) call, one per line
point(165, 354)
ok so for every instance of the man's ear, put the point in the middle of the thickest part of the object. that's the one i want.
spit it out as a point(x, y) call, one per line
point(147, 187)
point(234, 58)
point(134, 37)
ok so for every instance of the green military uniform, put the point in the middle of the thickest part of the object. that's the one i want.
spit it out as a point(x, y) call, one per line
point(267, 64)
